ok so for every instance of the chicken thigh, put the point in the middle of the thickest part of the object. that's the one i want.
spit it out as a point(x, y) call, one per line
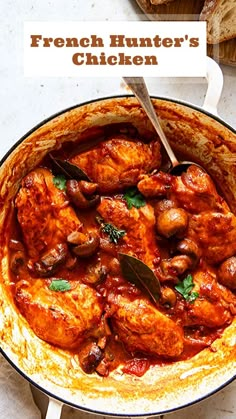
point(63, 319)
point(215, 302)
point(193, 191)
point(141, 327)
point(44, 213)
point(139, 225)
point(215, 233)
point(118, 162)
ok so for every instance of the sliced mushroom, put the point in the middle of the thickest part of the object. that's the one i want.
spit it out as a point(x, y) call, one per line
point(55, 256)
point(80, 193)
point(90, 357)
point(172, 221)
point(190, 248)
point(87, 248)
point(95, 274)
point(227, 273)
point(48, 264)
point(37, 268)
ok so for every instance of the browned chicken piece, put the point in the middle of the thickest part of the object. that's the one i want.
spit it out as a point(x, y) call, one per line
point(118, 162)
point(213, 306)
point(63, 319)
point(139, 225)
point(156, 185)
point(215, 233)
point(44, 214)
point(141, 327)
point(193, 191)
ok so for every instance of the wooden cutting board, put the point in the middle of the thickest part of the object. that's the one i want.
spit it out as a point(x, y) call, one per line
point(225, 52)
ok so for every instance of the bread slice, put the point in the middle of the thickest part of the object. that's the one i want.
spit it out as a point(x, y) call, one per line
point(221, 20)
point(157, 2)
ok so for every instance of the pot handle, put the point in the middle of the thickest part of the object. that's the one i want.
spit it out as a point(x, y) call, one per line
point(54, 409)
point(215, 85)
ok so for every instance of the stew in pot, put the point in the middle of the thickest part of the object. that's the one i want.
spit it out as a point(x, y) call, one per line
point(119, 262)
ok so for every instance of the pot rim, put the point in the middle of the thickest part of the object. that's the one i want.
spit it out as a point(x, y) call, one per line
point(105, 413)
point(2, 352)
point(121, 96)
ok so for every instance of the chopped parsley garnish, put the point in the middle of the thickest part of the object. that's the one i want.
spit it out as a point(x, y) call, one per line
point(192, 297)
point(185, 287)
point(60, 182)
point(61, 285)
point(113, 232)
point(134, 198)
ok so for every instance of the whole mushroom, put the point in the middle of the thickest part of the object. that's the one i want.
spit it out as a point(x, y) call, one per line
point(227, 273)
point(172, 221)
point(168, 297)
point(84, 245)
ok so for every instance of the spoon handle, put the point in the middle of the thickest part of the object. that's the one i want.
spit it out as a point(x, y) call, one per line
point(139, 88)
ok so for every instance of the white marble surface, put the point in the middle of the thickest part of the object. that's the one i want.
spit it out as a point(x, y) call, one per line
point(25, 102)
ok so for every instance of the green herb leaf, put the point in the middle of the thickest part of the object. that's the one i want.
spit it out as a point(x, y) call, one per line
point(134, 198)
point(185, 287)
point(192, 297)
point(60, 182)
point(113, 232)
point(61, 285)
point(138, 273)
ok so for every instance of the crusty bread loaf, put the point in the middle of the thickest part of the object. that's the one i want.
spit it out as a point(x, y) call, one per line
point(157, 2)
point(221, 20)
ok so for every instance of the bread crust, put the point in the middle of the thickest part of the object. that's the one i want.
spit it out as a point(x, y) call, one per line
point(221, 20)
point(157, 2)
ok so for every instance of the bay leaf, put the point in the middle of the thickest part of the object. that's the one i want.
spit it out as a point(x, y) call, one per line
point(138, 273)
point(68, 169)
